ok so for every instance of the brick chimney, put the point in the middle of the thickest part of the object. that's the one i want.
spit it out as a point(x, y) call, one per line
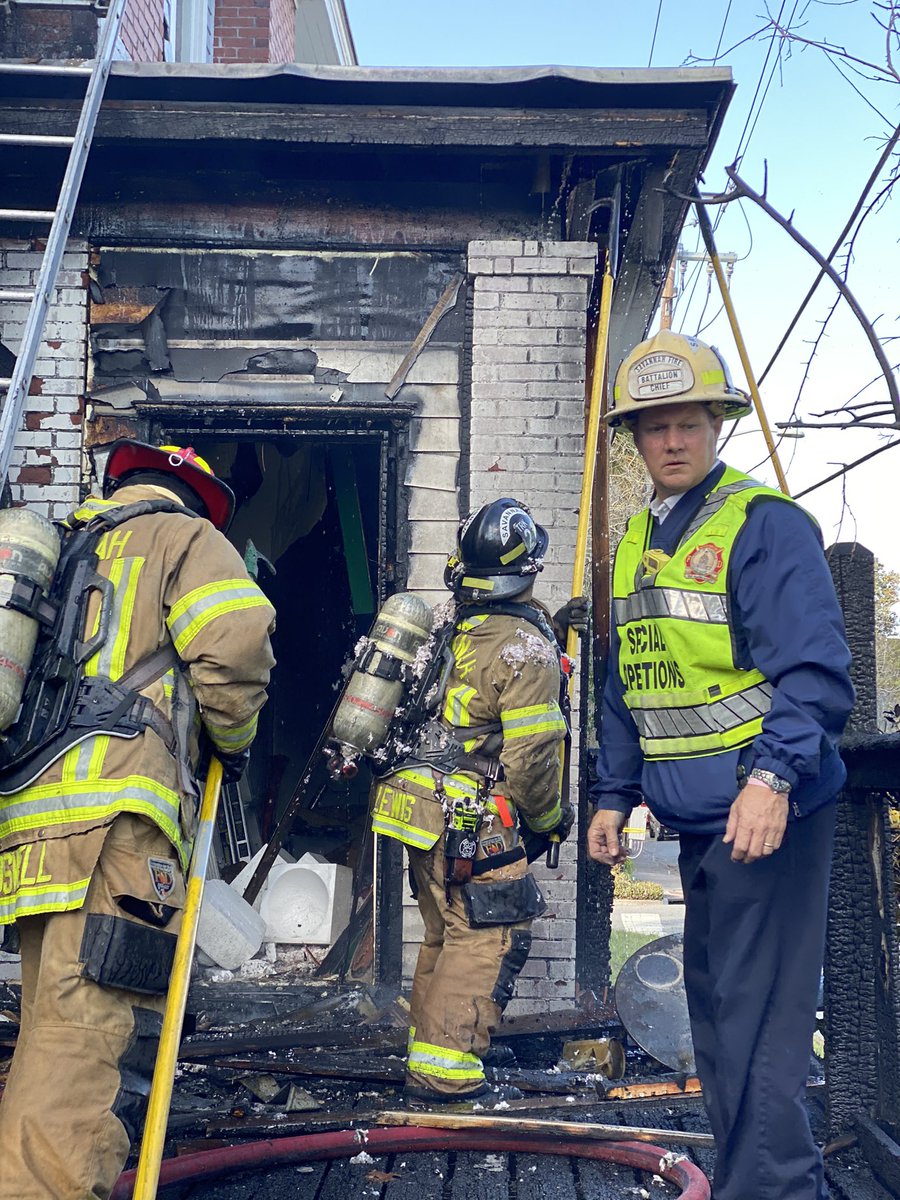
point(254, 31)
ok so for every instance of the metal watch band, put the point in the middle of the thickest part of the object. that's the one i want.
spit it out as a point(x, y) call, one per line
point(772, 781)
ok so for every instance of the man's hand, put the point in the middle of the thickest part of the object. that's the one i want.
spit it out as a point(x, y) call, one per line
point(756, 823)
point(604, 843)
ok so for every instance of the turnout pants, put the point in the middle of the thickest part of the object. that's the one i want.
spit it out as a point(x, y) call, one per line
point(80, 1077)
point(754, 938)
point(464, 977)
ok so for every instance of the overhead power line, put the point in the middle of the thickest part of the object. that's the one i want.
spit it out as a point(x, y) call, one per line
point(655, 31)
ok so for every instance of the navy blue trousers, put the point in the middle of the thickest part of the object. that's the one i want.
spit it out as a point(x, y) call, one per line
point(754, 937)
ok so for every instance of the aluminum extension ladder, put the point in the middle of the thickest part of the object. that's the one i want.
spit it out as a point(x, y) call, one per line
point(16, 388)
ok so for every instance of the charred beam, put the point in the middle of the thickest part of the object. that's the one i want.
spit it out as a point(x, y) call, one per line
point(617, 130)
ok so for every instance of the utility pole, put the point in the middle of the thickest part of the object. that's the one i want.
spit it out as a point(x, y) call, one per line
point(679, 263)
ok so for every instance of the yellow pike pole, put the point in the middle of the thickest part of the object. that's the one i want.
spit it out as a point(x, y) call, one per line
point(153, 1141)
point(706, 231)
point(591, 442)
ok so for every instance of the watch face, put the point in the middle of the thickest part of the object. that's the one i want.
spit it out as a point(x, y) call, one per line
point(772, 781)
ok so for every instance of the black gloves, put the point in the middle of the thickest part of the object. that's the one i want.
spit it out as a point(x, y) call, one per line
point(233, 765)
point(575, 613)
point(566, 821)
point(536, 843)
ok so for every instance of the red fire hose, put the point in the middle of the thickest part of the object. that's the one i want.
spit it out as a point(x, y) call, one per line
point(313, 1147)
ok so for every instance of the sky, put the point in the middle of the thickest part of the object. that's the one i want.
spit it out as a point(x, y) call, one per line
point(814, 132)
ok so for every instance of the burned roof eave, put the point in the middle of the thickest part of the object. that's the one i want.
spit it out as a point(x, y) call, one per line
point(506, 87)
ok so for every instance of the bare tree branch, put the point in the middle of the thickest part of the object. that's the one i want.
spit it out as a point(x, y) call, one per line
point(877, 349)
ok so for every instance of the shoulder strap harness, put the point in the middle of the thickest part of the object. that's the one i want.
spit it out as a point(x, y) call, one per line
point(62, 706)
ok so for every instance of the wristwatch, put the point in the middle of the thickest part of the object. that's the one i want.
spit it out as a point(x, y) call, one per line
point(772, 781)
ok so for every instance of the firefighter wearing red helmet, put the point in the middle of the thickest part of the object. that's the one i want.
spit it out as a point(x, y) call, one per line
point(97, 810)
point(488, 758)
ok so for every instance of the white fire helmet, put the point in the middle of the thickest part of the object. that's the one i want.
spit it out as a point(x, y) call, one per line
point(672, 368)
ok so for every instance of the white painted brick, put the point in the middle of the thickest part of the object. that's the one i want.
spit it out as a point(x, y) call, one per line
point(487, 300)
point(576, 249)
point(63, 387)
point(556, 354)
point(31, 493)
point(573, 371)
point(559, 318)
point(554, 427)
point(490, 266)
point(528, 300)
point(496, 320)
point(490, 249)
point(561, 285)
point(539, 266)
point(32, 439)
point(61, 421)
point(571, 301)
point(582, 266)
point(541, 988)
point(499, 354)
point(513, 463)
point(562, 464)
point(515, 283)
point(26, 260)
point(63, 475)
point(556, 389)
point(525, 337)
point(535, 968)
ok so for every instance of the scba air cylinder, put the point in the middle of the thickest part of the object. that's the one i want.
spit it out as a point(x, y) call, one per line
point(29, 552)
point(376, 687)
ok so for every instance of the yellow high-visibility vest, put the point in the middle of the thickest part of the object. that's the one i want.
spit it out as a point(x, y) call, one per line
point(676, 652)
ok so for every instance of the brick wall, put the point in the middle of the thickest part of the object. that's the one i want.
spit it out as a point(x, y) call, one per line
point(141, 32)
point(46, 464)
point(241, 31)
point(526, 440)
point(281, 31)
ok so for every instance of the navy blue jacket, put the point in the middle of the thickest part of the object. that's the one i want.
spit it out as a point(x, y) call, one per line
point(787, 623)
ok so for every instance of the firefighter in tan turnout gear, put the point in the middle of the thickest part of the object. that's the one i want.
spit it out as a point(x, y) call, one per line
point(489, 757)
point(96, 817)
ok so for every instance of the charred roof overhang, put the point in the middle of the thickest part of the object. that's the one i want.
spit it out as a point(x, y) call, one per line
point(334, 157)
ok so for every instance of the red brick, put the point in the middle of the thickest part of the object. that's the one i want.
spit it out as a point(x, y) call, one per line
point(33, 474)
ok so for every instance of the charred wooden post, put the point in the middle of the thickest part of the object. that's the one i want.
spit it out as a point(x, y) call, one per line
point(862, 968)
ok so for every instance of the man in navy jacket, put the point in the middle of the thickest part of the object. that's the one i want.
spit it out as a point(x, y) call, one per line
point(726, 694)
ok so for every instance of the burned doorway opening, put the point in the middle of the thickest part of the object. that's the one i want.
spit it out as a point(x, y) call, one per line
point(316, 525)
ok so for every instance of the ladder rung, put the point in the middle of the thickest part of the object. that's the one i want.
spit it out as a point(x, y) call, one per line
point(35, 139)
point(4, 385)
point(10, 295)
point(7, 68)
point(26, 214)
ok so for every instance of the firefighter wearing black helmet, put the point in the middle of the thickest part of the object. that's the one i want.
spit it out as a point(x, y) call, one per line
point(97, 815)
point(488, 760)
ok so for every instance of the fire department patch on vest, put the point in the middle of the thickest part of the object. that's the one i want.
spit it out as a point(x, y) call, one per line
point(162, 876)
point(492, 845)
point(704, 564)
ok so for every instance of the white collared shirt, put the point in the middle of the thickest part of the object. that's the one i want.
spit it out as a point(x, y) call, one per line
point(660, 509)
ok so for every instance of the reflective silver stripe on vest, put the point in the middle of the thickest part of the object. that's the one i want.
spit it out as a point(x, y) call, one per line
point(703, 719)
point(714, 503)
point(707, 607)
